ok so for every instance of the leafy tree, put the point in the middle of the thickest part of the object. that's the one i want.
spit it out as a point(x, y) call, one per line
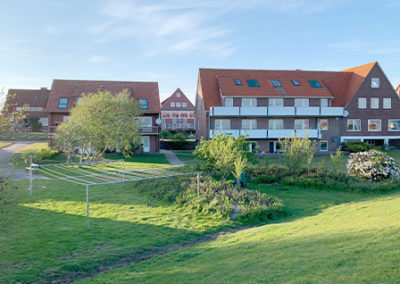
point(336, 159)
point(297, 152)
point(218, 155)
point(239, 166)
point(100, 122)
point(10, 117)
point(34, 123)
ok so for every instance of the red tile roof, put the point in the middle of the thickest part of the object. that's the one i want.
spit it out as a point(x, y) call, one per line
point(165, 105)
point(340, 86)
point(32, 98)
point(73, 89)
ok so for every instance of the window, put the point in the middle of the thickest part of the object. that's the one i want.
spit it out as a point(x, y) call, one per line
point(374, 103)
point(324, 103)
point(374, 125)
point(362, 102)
point(301, 124)
point(223, 124)
point(178, 104)
point(375, 83)
point(143, 104)
point(145, 121)
point(249, 102)
point(276, 83)
point(249, 124)
point(63, 103)
point(36, 97)
point(184, 104)
point(238, 82)
point(354, 125)
point(314, 84)
point(275, 124)
point(301, 102)
point(295, 83)
point(253, 83)
point(229, 102)
point(168, 125)
point(394, 125)
point(172, 104)
point(178, 95)
point(323, 124)
point(323, 145)
point(387, 103)
point(276, 102)
point(44, 121)
point(65, 118)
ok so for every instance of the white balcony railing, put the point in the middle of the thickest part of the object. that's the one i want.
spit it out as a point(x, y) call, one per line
point(268, 133)
point(277, 111)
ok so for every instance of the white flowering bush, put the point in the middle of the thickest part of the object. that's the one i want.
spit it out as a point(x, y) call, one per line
point(372, 165)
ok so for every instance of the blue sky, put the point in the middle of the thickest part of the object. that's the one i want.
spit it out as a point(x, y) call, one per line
point(167, 41)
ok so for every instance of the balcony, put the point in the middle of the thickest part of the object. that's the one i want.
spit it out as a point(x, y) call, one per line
point(148, 130)
point(277, 111)
point(268, 133)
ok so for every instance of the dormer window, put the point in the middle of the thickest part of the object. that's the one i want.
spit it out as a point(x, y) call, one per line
point(238, 82)
point(62, 103)
point(143, 104)
point(375, 83)
point(253, 83)
point(314, 84)
point(276, 83)
point(295, 83)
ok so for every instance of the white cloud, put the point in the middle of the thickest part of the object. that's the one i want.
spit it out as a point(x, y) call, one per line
point(183, 26)
point(97, 59)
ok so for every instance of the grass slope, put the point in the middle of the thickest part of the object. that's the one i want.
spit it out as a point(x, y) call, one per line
point(25, 136)
point(46, 239)
point(331, 237)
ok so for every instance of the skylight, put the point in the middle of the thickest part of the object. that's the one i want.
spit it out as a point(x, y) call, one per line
point(253, 83)
point(295, 83)
point(314, 84)
point(276, 83)
point(238, 82)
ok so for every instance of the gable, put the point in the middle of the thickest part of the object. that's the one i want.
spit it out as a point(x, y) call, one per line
point(177, 96)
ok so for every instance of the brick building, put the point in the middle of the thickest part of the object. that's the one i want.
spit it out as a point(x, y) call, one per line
point(357, 104)
point(36, 101)
point(64, 95)
point(177, 112)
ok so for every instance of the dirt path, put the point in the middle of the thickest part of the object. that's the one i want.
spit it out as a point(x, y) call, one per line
point(172, 158)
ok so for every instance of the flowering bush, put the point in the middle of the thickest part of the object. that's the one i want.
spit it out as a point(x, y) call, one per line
point(372, 165)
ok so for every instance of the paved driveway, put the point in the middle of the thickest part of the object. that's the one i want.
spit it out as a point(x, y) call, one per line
point(5, 155)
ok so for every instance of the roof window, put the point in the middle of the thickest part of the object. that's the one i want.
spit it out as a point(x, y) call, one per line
point(62, 103)
point(238, 82)
point(143, 104)
point(253, 83)
point(276, 83)
point(295, 83)
point(314, 84)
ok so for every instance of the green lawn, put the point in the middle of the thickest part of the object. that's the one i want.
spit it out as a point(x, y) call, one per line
point(185, 156)
point(46, 239)
point(25, 136)
point(325, 160)
point(329, 237)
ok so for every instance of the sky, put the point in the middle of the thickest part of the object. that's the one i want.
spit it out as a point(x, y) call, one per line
point(168, 41)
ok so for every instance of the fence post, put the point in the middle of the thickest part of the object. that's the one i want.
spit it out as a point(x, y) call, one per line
point(87, 206)
point(198, 184)
point(30, 177)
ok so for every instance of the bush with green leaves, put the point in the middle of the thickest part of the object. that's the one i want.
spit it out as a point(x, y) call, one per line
point(374, 165)
point(164, 134)
point(218, 155)
point(356, 146)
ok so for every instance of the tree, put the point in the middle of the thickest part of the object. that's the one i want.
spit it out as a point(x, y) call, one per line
point(297, 152)
point(10, 117)
point(336, 159)
point(239, 165)
point(100, 122)
point(218, 155)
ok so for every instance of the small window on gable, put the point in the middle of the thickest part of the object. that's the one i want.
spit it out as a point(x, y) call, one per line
point(295, 83)
point(178, 95)
point(143, 104)
point(238, 82)
point(387, 103)
point(276, 83)
point(362, 102)
point(172, 104)
point(375, 83)
point(314, 84)
point(184, 104)
point(253, 83)
point(63, 103)
point(374, 103)
point(178, 104)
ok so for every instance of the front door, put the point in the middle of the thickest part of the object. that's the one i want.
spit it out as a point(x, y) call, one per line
point(271, 147)
point(146, 143)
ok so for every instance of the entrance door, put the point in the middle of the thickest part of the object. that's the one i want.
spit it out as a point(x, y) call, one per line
point(146, 143)
point(272, 147)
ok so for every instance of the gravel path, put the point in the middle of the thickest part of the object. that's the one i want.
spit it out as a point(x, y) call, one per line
point(172, 158)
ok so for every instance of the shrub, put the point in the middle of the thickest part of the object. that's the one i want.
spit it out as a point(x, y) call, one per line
point(268, 174)
point(356, 146)
point(34, 123)
point(336, 159)
point(164, 134)
point(372, 165)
